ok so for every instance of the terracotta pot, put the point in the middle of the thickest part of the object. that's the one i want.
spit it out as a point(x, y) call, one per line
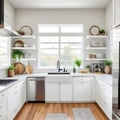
point(107, 69)
point(11, 73)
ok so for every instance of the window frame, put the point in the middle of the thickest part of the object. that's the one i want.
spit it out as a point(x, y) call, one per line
point(8, 54)
point(61, 35)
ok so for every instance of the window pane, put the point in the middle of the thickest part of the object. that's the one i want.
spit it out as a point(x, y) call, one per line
point(47, 29)
point(72, 29)
point(4, 56)
point(69, 39)
point(48, 39)
point(48, 60)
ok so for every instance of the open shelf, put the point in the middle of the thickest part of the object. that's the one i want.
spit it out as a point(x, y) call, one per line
point(96, 48)
point(25, 36)
point(97, 36)
point(24, 48)
point(25, 59)
point(95, 59)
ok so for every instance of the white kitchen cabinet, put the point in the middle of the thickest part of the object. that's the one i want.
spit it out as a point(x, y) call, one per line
point(16, 99)
point(116, 9)
point(3, 105)
point(52, 92)
point(66, 92)
point(82, 88)
point(104, 97)
point(58, 92)
point(58, 88)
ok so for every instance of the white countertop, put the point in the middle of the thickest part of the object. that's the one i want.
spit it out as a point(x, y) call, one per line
point(107, 78)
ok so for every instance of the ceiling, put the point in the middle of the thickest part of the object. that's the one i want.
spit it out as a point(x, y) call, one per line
point(36, 4)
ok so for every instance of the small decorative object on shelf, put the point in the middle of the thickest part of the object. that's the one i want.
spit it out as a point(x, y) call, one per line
point(11, 71)
point(107, 64)
point(19, 43)
point(101, 32)
point(78, 63)
point(94, 30)
point(88, 67)
point(25, 30)
point(17, 54)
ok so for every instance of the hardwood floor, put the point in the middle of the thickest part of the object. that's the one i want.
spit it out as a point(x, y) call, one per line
point(38, 111)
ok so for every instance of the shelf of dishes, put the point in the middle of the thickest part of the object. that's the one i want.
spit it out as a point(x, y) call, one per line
point(25, 36)
point(96, 36)
point(24, 48)
point(96, 48)
point(24, 59)
point(96, 59)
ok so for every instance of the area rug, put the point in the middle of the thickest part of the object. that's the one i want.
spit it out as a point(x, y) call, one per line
point(83, 114)
point(56, 116)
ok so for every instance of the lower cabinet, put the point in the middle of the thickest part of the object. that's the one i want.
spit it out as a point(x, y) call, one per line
point(104, 97)
point(58, 92)
point(3, 105)
point(16, 99)
point(82, 88)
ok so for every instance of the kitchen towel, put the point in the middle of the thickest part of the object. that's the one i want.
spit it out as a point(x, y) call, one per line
point(83, 114)
point(56, 116)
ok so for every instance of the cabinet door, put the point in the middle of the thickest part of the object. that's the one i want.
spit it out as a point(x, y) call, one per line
point(13, 101)
point(52, 92)
point(65, 91)
point(22, 93)
point(82, 89)
point(104, 97)
point(116, 12)
point(3, 105)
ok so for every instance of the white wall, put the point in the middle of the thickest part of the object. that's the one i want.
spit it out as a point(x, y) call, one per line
point(88, 17)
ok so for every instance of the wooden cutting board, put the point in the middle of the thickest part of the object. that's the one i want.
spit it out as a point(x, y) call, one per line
point(29, 69)
point(19, 68)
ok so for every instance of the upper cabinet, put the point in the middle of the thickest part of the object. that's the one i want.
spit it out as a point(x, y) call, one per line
point(116, 9)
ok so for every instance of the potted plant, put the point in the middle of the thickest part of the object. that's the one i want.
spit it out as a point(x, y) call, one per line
point(107, 64)
point(17, 54)
point(88, 67)
point(102, 32)
point(11, 71)
point(78, 63)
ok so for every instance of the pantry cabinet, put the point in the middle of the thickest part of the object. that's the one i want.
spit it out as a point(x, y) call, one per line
point(116, 8)
point(82, 89)
point(3, 105)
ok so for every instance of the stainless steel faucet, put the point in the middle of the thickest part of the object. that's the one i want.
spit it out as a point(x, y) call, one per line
point(58, 66)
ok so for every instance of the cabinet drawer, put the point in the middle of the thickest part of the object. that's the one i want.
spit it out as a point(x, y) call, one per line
point(79, 79)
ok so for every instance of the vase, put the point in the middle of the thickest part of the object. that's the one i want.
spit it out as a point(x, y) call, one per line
point(107, 69)
point(11, 73)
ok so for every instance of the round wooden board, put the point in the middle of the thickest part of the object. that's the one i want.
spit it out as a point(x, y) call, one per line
point(19, 68)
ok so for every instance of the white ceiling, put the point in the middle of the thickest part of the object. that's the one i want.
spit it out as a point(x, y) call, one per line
point(36, 4)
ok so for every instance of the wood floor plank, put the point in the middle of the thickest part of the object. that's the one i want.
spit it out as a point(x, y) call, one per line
point(38, 111)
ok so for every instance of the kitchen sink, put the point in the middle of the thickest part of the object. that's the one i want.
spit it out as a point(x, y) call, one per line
point(7, 81)
point(58, 73)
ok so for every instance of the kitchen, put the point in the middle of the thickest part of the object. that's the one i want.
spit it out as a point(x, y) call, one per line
point(54, 36)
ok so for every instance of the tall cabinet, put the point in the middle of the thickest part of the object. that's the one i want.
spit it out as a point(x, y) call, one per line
point(116, 8)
